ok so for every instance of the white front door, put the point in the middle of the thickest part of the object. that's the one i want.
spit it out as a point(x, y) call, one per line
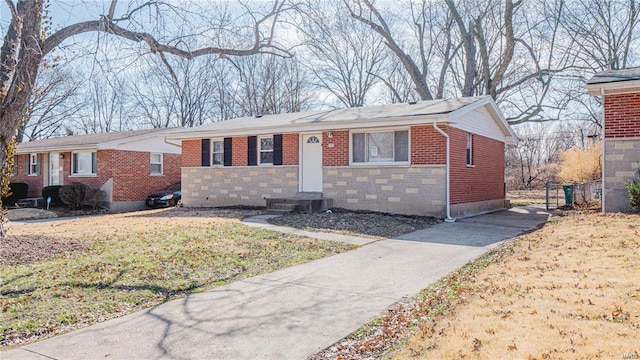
point(54, 169)
point(311, 174)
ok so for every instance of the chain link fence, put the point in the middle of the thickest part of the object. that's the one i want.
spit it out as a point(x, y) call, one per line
point(559, 195)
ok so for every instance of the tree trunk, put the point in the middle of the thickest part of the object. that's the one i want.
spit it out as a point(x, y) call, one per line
point(21, 56)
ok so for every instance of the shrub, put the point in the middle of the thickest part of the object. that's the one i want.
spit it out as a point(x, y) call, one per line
point(96, 198)
point(581, 166)
point(633, 186)
point(52, 191)
point(17, 191)
point(73, 195)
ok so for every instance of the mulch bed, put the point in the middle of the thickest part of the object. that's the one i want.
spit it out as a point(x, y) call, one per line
point(25, 249)
point(357, 223)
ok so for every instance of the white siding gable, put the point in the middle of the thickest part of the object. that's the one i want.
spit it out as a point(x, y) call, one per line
point(479, 121)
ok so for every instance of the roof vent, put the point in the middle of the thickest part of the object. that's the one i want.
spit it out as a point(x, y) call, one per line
point(258, 115)
point(413, 102)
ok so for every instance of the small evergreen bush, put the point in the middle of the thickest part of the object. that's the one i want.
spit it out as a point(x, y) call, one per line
point(633, 185)
point(96, 198)
point(17, 191)
point(73, 195)
point(52, 191)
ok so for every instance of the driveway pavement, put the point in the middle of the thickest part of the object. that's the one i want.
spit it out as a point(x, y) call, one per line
point(295, 312)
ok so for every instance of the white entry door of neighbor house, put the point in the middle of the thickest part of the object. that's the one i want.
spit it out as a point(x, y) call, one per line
point(54, 169)
point(311, 174)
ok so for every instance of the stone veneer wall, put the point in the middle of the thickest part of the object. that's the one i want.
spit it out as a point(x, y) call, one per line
point(415, 190)
point(621, 161)
point(237, 185)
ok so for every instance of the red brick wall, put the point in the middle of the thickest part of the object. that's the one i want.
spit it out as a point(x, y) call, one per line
point(33, 181)
point(290, 149)
point(622, 115)
point(428, 147)
point(130, 170)
point(132, 179)
point(483, 181)
point(239, 146)
point(191, 153)
point(338, 154)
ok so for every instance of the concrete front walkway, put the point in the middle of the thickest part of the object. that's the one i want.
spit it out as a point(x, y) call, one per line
point(295, 312)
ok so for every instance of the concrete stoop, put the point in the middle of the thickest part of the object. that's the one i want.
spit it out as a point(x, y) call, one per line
point(306, 202)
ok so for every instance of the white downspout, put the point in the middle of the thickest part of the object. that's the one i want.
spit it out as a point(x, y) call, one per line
point(604, 151)
point(448, 191)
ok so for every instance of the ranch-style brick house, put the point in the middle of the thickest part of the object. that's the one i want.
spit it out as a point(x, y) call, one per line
point(620, 92)
point(442, 158)
point(128, 165)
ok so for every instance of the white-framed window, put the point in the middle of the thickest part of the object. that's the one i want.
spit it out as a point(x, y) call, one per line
point(84, 163)
point(34, 166)
point(384, 146)
point(156, 164)
point(217, 152)
point(265, 150)
point(469, 149)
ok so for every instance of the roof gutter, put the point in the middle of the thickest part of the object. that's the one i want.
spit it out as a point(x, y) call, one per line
point(448, 180)
point(323, 126)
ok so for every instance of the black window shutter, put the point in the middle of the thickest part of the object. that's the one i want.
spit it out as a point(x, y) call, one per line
point(227, 152)
point(277, 149)
point(206, 153)
point(74, 165)
point(252, 151)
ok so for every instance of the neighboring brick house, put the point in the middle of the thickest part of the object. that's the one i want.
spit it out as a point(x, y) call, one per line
point(620, 92)
point(128, 165)
point(390, 158)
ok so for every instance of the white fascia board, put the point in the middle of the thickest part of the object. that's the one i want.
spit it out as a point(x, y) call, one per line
point(510, 136)
point(328, 126)
point(618, 87)
point(47, 149)
point(115, 143)
point(155, 144)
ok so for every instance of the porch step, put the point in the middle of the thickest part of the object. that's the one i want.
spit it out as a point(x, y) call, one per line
point(309, 195)
point(30, 202)
point(307, 202)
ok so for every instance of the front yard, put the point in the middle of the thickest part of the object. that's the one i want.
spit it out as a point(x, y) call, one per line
point(568, 291)
point(62, 275)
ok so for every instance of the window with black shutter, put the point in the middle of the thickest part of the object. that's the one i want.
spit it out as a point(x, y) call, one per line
point(277, 149)
point(252, 153)
point(206, 157)
point(228, 148)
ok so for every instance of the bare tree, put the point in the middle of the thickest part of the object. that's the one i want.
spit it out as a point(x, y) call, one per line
point(605, 31)
point(496, 49)
point(271, 85)
point(344, 55)
point(53, 102)
point(164, 102)
point(106, 107)
point(427, 23)
point(29, 37)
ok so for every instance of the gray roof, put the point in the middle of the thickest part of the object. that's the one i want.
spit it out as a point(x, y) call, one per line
point(611, 76)
point(332, 117)
point(82, 141)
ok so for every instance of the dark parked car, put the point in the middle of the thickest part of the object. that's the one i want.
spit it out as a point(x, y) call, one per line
point(166, 197)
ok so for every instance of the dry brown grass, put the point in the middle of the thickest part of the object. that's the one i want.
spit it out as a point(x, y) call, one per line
point(159, 219)
point(568, 291)
point(63, 275)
